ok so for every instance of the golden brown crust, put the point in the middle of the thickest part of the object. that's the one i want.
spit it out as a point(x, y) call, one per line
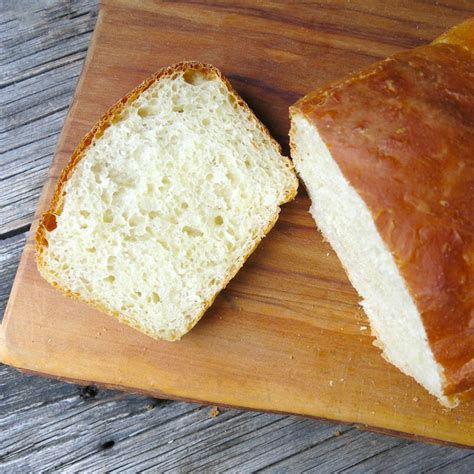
point(48, 220)
point(461, 35)
point(402, 133)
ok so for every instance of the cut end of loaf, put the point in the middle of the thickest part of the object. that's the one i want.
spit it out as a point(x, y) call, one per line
point(163, 201)
point(346, 222)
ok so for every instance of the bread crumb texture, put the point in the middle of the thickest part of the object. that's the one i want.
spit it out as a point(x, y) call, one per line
point(345, 220)
point(165, 205)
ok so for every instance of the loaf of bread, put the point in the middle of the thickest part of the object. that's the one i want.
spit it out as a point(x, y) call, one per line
point(387, 157)
point(163, 201)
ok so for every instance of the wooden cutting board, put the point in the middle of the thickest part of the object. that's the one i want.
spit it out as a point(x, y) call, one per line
point(287, 335)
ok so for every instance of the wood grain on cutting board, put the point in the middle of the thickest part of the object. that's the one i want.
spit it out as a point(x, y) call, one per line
point(287, 334)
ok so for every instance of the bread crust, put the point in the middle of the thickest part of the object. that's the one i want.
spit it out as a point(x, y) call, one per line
point(48, 219)
point(402, 133)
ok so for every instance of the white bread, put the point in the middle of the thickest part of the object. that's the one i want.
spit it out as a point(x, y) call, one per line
point(163, 202)
point(386, 157)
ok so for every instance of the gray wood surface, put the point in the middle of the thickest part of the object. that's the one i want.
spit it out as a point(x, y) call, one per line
point(49, 425)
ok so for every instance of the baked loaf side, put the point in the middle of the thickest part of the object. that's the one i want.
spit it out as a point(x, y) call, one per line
point(387, 158)
point(163, 201)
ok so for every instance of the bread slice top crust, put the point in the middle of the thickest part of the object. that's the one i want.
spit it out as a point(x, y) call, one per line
point(402, 133)
point(228, 187)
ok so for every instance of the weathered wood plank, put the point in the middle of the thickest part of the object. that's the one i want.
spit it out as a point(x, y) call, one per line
point(460, 466)
point(35, 47)
point(23, 173)
point(10, 251)
point(323, 457)
point(29, 101)
point(39, 69)
point(409, 457)
point(30, 132)
point(50, 425)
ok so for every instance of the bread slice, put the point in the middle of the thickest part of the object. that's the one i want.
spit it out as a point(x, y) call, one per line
point(163, 201)
point(387, 159)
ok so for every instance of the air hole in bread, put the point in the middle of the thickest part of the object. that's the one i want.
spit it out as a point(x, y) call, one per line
point(191, 231)
point(108, 217)
point(135, 220)
point(117, 118)
point(60, 208)
point(163, 244)
point(144, 111)
point(193, 77)
point(49, 222)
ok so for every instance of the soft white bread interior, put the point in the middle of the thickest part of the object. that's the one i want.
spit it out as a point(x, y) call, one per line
point(347, 223)
point(163, 203)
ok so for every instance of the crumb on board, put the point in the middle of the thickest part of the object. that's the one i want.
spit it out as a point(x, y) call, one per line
point(363, 328)
point(331, 383)
point(337, 433)
point(214, 411)
point(415, 399)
